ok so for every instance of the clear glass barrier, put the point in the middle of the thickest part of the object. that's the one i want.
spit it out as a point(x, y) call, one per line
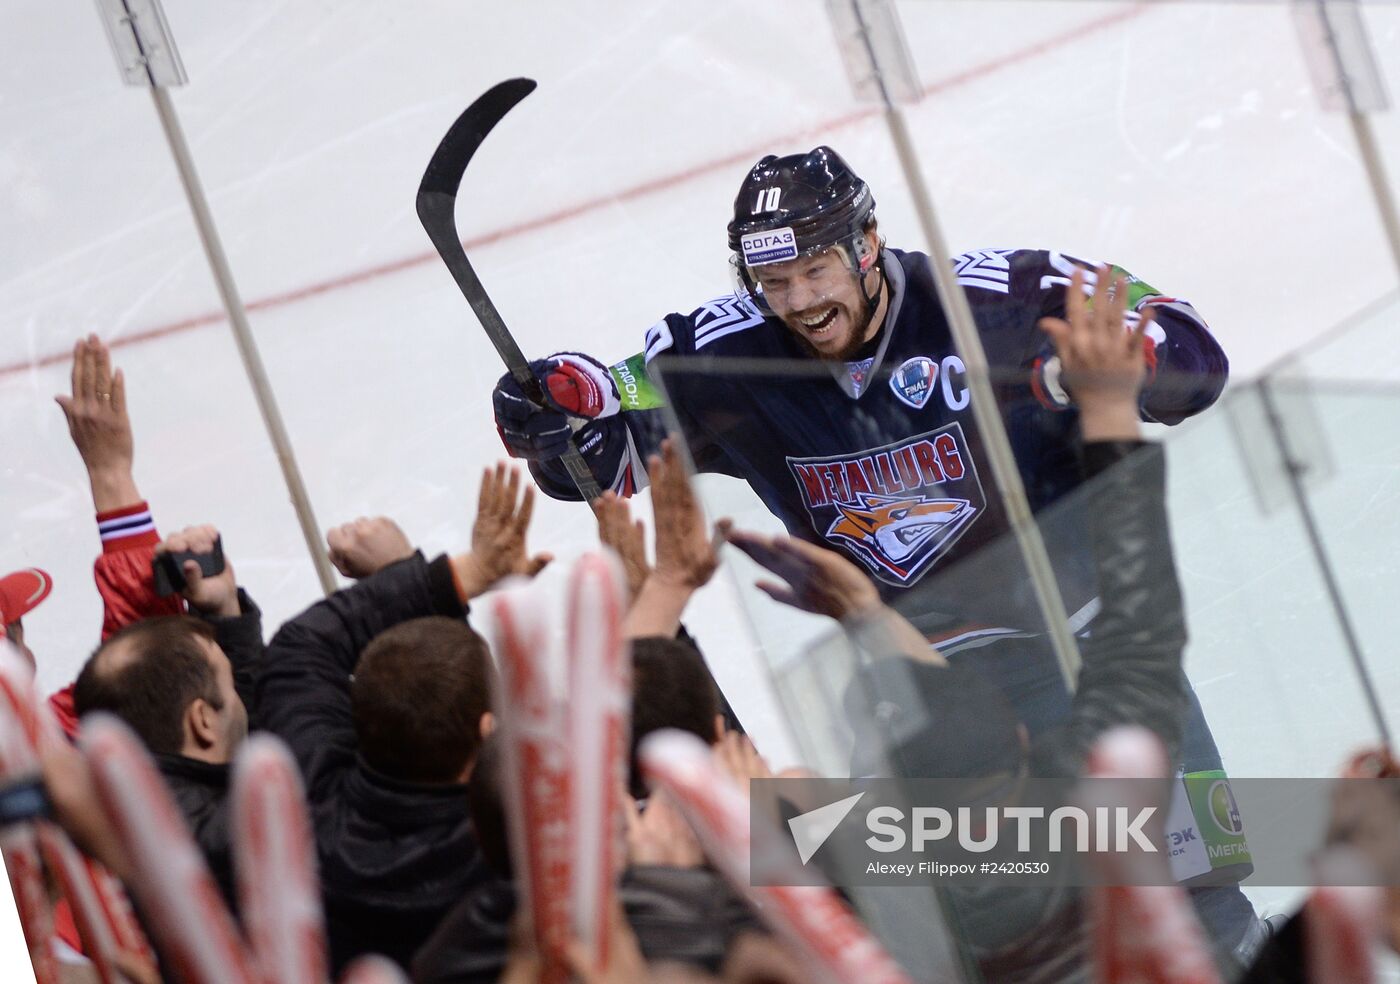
point(1182, 140)
point(1278, 690)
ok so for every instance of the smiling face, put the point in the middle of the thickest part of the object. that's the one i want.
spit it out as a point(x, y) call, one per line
point(820, 300)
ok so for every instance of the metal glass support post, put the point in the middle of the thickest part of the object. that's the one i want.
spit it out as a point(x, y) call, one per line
point(1338, 52)
point(878, 63)
point(146, 56)
point(1295, 470)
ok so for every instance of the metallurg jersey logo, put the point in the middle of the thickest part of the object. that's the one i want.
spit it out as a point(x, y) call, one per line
point(896, 507)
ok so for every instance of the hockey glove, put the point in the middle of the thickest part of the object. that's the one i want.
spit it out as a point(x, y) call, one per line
point(607, 451)
point(574, 385)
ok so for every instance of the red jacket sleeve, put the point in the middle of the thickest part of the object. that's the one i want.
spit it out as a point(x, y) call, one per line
point(123, 569)
point(123, 576)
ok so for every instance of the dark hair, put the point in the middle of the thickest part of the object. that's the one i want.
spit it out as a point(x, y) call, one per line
point(671, 688)
point(417, 699)
point(488, 810)
point(926, 720)
point(163, 669)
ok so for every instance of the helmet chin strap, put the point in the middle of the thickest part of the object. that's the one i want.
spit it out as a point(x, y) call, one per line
point(861, 265)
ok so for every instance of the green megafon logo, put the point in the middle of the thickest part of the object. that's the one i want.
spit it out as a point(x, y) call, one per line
point(1223, 808)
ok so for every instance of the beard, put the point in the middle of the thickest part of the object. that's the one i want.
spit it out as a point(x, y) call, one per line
point(860, 324)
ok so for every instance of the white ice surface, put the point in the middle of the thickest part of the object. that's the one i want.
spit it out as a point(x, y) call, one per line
point(1179, 140)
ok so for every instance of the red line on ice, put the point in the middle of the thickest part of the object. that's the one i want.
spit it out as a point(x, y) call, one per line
point(745, 156)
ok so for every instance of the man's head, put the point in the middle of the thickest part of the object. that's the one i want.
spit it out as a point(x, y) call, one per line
point(168, 679)
point(20, 593)
point(805, 247)
point(671, 688)
point(421, 699)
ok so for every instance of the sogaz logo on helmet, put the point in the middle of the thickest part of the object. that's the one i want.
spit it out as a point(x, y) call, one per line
point(770, 246)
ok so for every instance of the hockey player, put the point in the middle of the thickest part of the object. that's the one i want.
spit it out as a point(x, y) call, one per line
point(860, 435)
point(872, 450)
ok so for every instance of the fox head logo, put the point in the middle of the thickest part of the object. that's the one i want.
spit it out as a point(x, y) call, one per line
point(898, 508)
point(892, 530)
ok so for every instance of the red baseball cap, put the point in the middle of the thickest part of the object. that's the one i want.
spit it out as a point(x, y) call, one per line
point(21, 592)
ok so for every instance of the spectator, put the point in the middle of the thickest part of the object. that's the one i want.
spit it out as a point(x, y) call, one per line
point(680, 910)
point(98, 422)
point(671, 688)
point(382, 693)
point(183, 683)
point(96, 413)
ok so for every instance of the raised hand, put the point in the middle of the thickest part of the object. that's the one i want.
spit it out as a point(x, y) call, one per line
point(627, 539)
point(360, 548)
point(1103, 362)
point(813, 579)
point(498, 535)
point(99, 425)
point(217, 595)
point(686, 552)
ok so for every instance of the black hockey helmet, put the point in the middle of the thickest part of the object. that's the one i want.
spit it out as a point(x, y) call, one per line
point(798, 205)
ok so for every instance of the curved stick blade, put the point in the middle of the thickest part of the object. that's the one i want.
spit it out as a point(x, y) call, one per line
point(449, 162)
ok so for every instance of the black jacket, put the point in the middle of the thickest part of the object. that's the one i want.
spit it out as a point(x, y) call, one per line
point(679, 914)
point(394, 857)
point(1131, 662)
point(200, 788)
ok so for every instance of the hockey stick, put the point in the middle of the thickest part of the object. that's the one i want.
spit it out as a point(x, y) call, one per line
point(437, 204)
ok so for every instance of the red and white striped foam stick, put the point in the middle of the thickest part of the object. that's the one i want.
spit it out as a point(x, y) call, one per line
point(1344, 920)
point(1142, 933)
point(373, 970)
point(170, 878)
point(535, 775)
point(275, 859)
point(101, 910)
point(19, 843)
point(599, 712)
point(21, 854)
point(1342, 926)
point(823, 932)
point(111, 910)
point(99, 942)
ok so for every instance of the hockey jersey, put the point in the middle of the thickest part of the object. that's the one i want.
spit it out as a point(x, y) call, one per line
point(880, 457)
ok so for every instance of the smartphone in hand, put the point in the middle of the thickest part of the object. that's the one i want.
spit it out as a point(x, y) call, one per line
point(167, 568)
